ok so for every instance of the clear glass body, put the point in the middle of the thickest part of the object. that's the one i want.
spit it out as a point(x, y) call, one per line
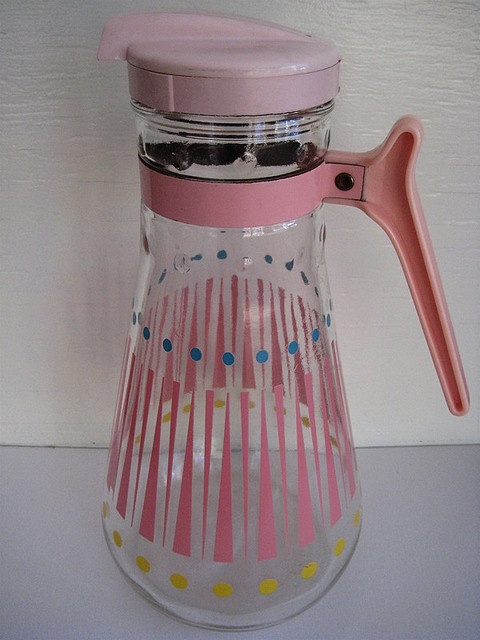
point(232, 498)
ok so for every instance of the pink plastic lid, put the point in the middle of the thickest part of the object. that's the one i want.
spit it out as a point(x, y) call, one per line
point(218, 65)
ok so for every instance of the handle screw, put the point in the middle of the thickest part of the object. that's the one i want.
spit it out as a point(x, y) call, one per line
point(344, 182)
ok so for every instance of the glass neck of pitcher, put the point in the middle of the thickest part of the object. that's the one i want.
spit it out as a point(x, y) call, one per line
point(233, 148)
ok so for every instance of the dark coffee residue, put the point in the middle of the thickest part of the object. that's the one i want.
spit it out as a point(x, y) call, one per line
point(181, 156)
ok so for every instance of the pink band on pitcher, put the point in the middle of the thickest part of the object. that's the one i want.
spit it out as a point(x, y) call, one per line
point(243, 204)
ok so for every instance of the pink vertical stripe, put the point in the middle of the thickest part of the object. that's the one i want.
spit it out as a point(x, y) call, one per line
point(180, 326)
point(333, 495)
point(248, 375)
point(169, 355)
point(283, 318)
point(306, 526)
point(277, 372)
point(234, 293)
point(267, 539)
point(208, 310)
point(318, 346)
point(141, 344)
point(344, 424)
point(297, 358)
point(261, 317)
point(118, 432)
point(171, 451)
point(183, 528)
point(147, 522)
point(307, 331)
point(280, 415)
point(149, 350)
point(223, 551)
point(158, 349)
point(146, 409)
point(261, 306)
point(153, 345)
point(244, 410)
point(333, 404)
point(219, 373)
point(191, 368)
point(313, 429)
point(127, 465)
point(209, 399)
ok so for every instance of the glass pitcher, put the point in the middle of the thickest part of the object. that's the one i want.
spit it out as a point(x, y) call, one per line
point(232, 497)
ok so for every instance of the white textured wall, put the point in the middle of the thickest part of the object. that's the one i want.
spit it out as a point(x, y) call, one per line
point(69, 208)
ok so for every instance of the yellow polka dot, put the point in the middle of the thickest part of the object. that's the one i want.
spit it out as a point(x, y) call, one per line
point(251, 404)
point(166, 417)
point(268, 586)
point(334, 442)
point(222, 589)
point(187, 408)
point(105, 509)
point(178, 581)
point(357, 517)
point(219, 403)
point(309, 570)
point(138, 438)
point(117, 538)
point(339, 547)
point(305, 421)
point(143, 564)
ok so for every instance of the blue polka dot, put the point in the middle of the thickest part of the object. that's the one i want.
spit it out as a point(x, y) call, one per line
point(167, 345)
point(315, 335)
point(262, 356)
point(146, 333)
point(162, 277)
point(195, 354)
point(221, 255)
point(289, 265)
point(134, 318)
point(197, 257)
point(140, 319)
point(304, 277)
point(293, 347)
point(268, 259)
point(329, 319)
point(228, 358)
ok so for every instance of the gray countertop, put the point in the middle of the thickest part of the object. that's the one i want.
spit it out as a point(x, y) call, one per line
point(415, 573)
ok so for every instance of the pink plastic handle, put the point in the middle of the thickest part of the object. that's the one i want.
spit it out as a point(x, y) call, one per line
point(390, 198)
